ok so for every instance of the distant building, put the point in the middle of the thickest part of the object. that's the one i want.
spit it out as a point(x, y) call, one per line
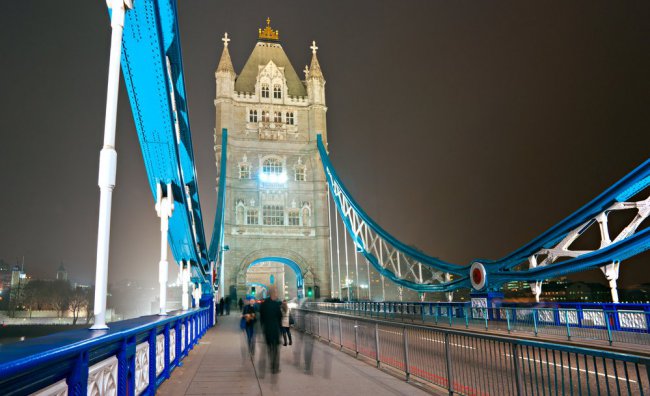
point(61, 273)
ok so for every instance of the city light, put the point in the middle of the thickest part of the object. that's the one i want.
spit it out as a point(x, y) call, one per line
point(276, 178)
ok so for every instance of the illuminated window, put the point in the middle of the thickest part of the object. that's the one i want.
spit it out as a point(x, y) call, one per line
point(273, 215)
point(265, 116)
point(277, 116)
point(294, 217)
point(272, 171)
point(300, 173)
point(252, 116)
point(265, 90)
point(277, 92)
point(272, 166)
point(251, 217)
point(244, 171)
point(289, 118)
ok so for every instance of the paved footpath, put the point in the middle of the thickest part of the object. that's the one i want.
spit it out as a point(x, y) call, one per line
point(220, 365)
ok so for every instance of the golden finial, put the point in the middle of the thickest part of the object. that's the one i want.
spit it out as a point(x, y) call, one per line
point(267, 33)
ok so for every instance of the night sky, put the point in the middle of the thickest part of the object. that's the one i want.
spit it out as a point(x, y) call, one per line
point(465, 128)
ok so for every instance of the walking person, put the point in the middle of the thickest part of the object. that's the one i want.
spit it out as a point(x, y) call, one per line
point(240, 303)
point(271, 318)
point(221, 304)
point(286, 323)
point(249, 316)
point(227, 305)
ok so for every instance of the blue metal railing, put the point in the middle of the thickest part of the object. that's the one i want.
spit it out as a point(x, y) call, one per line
point(611, 323)
point(134, 357)
point(471, 363)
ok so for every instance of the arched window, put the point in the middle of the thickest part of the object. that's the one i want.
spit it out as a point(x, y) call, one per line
point(277, 92)
point(294, 217)
point(252, 217)
point(289, 118)
point(277, 117)
point(252, 115)
point(265, 116)
point(306, 216)
point(265, 90)
point(273, 171)
point(272, 166)
point(300, 173)
point(239, 214)
point(244, 171)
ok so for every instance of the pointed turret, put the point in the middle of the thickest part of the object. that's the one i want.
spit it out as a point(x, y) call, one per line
point(314, 68)
point(314, 79)
point(225, 72)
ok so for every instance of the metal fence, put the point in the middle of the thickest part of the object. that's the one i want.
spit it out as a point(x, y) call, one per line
point(134, 357)
point(585, 322)
point(481, 364)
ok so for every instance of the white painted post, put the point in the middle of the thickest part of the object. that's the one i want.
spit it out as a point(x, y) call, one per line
point(347, 265)
point(164, 208)
point(338, 253)
point(329, 226)
point(108, 162)
point(186, 285)
point(197, 296)
point(611, 273)
point(449, 295)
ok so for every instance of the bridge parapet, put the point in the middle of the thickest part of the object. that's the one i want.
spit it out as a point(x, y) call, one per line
point(469, 363)
point(604, 322)
point(134, 357)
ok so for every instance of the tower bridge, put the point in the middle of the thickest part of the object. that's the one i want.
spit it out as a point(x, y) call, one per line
point(282, 207)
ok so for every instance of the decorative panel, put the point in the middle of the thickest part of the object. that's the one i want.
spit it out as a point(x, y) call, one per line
point(183, 336)
point(102, 378)
point(160, 353)
point(545, 315)
point(571, 314)
point(593, 317)
point(524, 314)
point(141, 367)
point(632, 319)
point(172, 345)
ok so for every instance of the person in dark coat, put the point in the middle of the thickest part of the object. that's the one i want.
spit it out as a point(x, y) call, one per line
point(271, 320)
point(250, 316)
point(227, 305)
point(241, 303)
point(221, 306)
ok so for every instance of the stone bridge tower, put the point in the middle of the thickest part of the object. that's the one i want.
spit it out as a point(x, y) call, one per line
point(276, 208)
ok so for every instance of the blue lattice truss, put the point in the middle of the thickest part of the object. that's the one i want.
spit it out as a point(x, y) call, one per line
point(374, 242)
point(153, 73)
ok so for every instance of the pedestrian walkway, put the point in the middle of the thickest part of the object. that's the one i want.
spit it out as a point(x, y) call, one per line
point(220, 365)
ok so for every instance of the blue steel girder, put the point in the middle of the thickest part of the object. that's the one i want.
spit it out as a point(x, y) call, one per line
point(374, 242)
point(153, 75)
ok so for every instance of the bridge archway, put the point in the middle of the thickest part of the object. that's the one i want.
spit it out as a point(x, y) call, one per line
point(246, 278)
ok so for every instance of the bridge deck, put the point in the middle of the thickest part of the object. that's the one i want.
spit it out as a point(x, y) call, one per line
point(220, 365)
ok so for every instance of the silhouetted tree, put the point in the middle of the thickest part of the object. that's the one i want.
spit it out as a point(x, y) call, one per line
point(78, 301)
point(60, 296)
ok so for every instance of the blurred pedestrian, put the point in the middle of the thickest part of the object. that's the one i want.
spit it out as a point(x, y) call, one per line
point(249, 317)
point(240, 303)
point(227, 305)
point(271, 320)
point(286, 324)
point(222, 302)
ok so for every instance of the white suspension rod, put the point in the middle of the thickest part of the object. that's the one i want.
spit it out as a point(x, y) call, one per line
point(108, 163)
point(338, 253)
point(347, 266)
point(356, 272)
point(329, 226)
